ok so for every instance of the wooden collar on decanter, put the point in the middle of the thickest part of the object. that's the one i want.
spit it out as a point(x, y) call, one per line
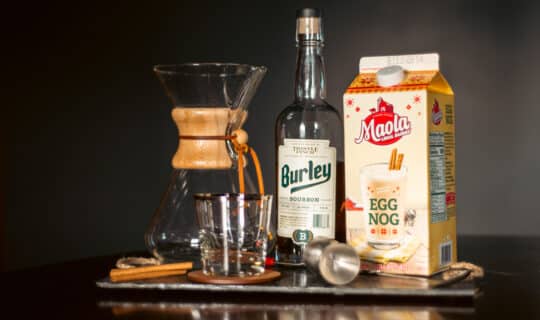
point(201, 144)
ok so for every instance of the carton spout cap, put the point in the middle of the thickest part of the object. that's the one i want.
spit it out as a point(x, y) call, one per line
point(390, 76)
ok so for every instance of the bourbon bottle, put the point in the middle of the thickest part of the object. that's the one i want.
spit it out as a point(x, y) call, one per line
point(309, 163)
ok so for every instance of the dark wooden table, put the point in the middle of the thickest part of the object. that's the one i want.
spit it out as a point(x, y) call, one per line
point(510, 289)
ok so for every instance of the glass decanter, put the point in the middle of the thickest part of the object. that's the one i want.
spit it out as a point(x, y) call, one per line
point(209, 102)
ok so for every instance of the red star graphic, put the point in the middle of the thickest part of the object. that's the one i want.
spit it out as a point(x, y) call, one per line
point(357, 109)
point(417, 99)
point(383, 231)
point(394, 231)
point(373, 231)
point(350, 102)
point(408, 107)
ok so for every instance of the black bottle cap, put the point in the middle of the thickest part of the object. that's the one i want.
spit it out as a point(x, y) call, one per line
point(309, 12)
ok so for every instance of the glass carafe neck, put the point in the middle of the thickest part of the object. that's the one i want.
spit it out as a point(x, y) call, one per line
point(310, 83)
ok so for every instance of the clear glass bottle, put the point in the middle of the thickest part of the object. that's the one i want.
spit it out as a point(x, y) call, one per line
point(309, 152)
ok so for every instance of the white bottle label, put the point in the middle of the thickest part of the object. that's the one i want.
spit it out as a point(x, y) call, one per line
point(306, 189)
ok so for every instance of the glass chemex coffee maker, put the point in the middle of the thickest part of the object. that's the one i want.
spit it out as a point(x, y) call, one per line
point(210, 102)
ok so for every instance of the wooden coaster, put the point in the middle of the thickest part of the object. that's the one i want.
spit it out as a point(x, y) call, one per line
point(200, 277)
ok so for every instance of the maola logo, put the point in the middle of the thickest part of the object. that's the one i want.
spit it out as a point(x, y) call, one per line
point(383, 126)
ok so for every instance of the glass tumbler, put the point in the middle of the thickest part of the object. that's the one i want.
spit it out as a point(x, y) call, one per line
point(233, 233)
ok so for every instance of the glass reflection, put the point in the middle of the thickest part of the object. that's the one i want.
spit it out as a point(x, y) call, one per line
point(227, 311)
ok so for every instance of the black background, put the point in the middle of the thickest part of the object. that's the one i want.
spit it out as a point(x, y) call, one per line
point(88, 137)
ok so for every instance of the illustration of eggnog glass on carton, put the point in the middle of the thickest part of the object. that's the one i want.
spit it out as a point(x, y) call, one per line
point(383, 189)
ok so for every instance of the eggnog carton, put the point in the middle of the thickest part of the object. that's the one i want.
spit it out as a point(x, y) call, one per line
point(399, 165)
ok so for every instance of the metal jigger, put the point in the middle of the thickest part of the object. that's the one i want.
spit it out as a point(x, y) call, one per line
point(335, 262)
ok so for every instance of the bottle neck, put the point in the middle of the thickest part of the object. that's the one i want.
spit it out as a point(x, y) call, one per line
point(310, 83)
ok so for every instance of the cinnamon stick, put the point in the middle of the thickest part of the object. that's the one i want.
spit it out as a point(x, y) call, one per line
point(149, 271)
point(392, 164)
point(145, 275)
point(399, 161)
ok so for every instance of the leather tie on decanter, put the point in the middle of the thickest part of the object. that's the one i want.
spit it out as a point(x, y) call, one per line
point(239, 140)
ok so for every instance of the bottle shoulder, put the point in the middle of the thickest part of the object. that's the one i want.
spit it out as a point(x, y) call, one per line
point(309, 121)
point(311, 109)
